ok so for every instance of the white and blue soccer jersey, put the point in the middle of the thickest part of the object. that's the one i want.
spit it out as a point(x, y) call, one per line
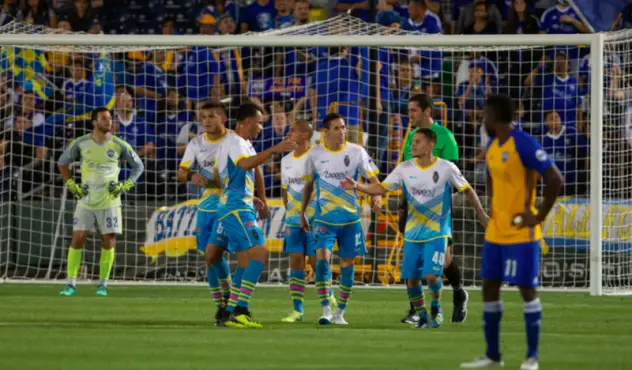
point(293, 181)
point(428, 192)
point(335, 206)
point(201, 153)
point(237, 185)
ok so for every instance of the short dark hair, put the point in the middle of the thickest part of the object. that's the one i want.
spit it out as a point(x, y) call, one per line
point(215, 105)
point(502, 106)
point(247, 110)
point(95, 113)
point(423, 100)
point(546, 113)
point(428, 133)
point(127, 89)
point(419, 2)
point(329, 118)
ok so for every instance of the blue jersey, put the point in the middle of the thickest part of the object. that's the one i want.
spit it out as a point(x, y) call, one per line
point(270, 137)
point(151, 77)
point(561, 95)
point(431, 60)
point(283, 21)
point(611, 62)
point(259, 17)
point(385, 59)
point(568, 150)
point(335, 206)
point(550, 21)
point(428, 192)
point(135, 131)
point(476, 98)
point(238, 185)
point(72, 89)
point(335, 80)
point(198, 73)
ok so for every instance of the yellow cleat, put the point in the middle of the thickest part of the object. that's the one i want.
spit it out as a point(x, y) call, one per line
point(332, 302)
point(247, 321)
point(293, 317)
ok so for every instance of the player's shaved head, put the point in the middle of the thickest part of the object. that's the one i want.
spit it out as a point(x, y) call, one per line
point(304, 127)
point(501, 108)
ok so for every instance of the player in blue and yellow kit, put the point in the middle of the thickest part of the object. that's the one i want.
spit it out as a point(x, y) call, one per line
point(197, 166)
point(511, 252)
point(236, 167)
point(337, 217)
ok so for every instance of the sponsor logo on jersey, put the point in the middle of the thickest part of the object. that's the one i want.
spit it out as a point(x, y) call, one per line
point(295, 181)
point(334, 175)
point(423, 192)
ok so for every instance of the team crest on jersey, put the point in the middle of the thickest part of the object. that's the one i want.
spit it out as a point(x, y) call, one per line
point(435, 177)
point(110, 153)
point(504, 157)
point(347, 160)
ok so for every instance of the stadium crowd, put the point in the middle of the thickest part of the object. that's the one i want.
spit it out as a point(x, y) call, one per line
point(155, 94)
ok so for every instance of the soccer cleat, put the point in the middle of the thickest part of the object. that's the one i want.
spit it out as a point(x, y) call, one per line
point(530, 364)
point(338, 319)
point(244, 317)
point(411, 318)
point(221, 316)
point(293, 317)
point(437, 316)
point(327, 316)
point(481, 362)
point(423, 321)
point(460, 299)
point(102, 290)
point(68, 290)
point(232, 322)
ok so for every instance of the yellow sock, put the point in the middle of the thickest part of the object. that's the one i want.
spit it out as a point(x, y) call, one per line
point(106, 263)
point(73, 265)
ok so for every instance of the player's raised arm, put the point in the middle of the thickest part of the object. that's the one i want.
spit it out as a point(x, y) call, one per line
point(249, 163)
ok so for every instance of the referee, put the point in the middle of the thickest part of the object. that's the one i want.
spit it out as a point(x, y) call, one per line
point(420, 115)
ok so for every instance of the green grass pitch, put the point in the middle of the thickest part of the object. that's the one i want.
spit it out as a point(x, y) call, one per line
point(171, 328)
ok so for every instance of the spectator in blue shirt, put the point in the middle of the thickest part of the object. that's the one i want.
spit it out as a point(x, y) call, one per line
point(301, 12)
point(388, 14)
point(200, 75)
point(207, 22)
point(424, 21)
point(132, 128)
point(623, 20)
point(471, 94)
point(258, 17)
point(284, 17)
point(150, 83)
point(562, 19)
point(334, 86)
point(613, 76)
point(226, 25)
point(77, 78)
point(569, 150)
point(22, 144)
point(559, 92)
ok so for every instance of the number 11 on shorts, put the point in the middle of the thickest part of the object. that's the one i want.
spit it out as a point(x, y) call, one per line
point(511, 267)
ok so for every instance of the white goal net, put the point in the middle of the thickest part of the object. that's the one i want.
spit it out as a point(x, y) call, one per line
point(48, 91)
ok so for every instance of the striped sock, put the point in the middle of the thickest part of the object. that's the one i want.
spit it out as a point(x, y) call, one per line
point(532, 317)
point(492, 314)
point(323, 281)
point(213, 285)
point(222, 270)
point(346, 283)
point(297, 289)
point(435, 293)
point(249, 281)
point(234, 289)
point(416, 297)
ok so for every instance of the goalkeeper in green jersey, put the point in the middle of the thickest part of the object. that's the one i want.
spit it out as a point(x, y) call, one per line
point(99, 194)
point(420, 116)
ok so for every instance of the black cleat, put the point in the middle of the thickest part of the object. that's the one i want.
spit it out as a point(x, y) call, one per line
point(459, 312)
point(221, 316)
point(411, 318)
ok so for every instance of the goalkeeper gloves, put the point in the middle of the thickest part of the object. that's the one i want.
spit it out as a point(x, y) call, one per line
point(76, 190)
point(117, 188)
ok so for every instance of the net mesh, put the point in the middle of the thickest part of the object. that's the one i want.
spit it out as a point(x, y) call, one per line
point(48, 92)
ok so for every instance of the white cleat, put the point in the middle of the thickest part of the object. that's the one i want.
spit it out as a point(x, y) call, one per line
point(327, 316)
point(481, 362)
point(338, 319)
point(530, 364)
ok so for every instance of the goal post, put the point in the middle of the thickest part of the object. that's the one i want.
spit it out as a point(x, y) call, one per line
point(168, 220)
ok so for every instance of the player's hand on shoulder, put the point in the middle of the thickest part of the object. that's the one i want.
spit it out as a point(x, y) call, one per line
point(376, 203)
point(348, 183)
point(286, 145)
point(76, 190)
point(199, 180)
point(525, 219)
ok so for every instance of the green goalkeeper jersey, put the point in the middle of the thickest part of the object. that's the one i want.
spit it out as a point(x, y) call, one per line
point(445, 148)
point(100, 165)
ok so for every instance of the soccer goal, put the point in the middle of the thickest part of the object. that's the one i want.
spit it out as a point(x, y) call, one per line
point(571, 93)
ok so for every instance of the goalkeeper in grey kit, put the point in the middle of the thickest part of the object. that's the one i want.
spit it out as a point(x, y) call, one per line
point(98, 195)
